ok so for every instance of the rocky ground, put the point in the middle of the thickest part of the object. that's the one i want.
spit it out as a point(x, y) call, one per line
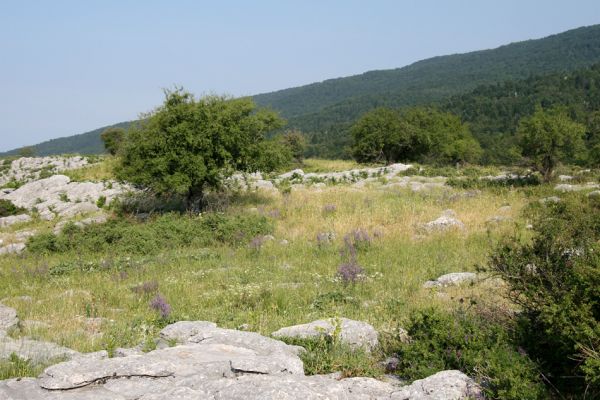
point(198, 360)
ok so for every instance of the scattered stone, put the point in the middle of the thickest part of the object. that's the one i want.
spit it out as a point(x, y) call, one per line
point(452, 279)
point(444, 223)
point(13, 248)
point(505, 209)
point(497, 219)
point(551, 199)
point(14, 219)
point(565, 178)
point(356, 334)
point(565, 187)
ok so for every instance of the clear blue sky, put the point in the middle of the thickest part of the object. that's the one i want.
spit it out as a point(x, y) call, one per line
point(67, 67)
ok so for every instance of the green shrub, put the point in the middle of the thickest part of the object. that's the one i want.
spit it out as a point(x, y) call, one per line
point(480, 348)
point(479, 183)
point(162, 232)
point(7, 208)
point(555, 279)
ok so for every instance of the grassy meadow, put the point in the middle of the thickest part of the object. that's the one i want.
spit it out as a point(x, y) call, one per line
point(90, 299)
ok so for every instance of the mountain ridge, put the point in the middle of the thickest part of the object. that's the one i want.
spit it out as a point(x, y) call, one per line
point(326, 109)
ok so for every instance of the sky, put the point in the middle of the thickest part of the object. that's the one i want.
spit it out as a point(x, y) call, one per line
point(67, 67)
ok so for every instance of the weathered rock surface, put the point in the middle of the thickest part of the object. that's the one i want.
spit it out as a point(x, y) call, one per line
point(565, 187)
point(14, 219)
point(218, 364)
point(58, 195)
point(27, 349)
point(445, 385)
point(353, 333)
point(8, 318)
point(13, 248)
point(444, 223)
point(27, 169)
point(452, 279)
point(34, 350)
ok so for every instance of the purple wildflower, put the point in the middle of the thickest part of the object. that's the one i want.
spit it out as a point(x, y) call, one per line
point(350, 272)
point(159, 303)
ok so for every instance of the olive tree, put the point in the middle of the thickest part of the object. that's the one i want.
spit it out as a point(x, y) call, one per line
point(187, 145)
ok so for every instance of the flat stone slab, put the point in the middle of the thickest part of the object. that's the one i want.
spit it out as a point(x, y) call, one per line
point(216, 364)
point(34, 350)
point(356, 334)
point(8, 318)
point(452, 279)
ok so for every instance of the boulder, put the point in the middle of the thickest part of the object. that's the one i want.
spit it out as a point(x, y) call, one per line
point(356, 334)
point(445, 385)
point(452, 279)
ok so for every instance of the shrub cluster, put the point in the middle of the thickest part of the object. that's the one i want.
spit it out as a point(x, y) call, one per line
point(468, 342)
point(122, 236)
point(555, 279)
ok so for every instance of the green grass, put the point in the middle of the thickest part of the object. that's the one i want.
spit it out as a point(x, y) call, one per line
point(267, 285)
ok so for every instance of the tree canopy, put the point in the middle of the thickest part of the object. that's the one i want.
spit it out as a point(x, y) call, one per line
point(413, 134)
point(549, 137)
point(113, 138)
point(187, 145)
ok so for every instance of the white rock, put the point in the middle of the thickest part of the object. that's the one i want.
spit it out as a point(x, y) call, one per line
point(13, 248)
point(14, 219)
point(445, 385)
point(452, 279)
point(353, 333)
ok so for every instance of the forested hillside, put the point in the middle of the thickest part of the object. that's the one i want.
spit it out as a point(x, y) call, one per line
point(326, 110)
point(84, 143)
point(493, 111)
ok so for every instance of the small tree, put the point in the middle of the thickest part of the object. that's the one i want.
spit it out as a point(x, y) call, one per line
point(187, 145)
point(549, 137)
point(113, 138)
point(28, 151)
point(295, 141)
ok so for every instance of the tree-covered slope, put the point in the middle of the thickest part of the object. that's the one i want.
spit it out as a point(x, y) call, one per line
point(84, 143)
point(494, 111)
point(326, 110)
point(434, 78)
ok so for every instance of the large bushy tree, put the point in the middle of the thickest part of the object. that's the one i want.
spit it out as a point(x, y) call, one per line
point(414, 134)
point(549, 137)
point(187, 145)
